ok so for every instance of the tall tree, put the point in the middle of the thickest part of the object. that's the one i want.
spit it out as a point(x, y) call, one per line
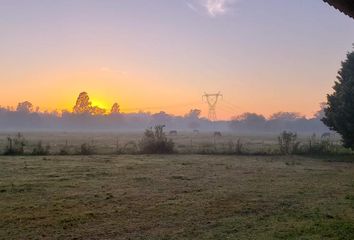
point(25, 107)
point(193, 114)
point(339, 112)
point(83, 104)
point(115, 108)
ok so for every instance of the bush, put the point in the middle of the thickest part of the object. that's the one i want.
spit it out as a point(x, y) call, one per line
point(156, 142)
point(239, 147)
point(207, 148)
point(15, 146)
point(318, 146)
point(130, 148)
point(86, 149)
point(288, 143)
point(235, 148)
point(118, 148)
point(65, 149)
point(40, 150)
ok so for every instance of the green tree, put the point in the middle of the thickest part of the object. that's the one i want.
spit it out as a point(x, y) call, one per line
point(339, 112)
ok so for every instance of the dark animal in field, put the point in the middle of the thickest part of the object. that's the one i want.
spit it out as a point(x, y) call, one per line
point(217, 134)
point(173, 133)
point(326, 135)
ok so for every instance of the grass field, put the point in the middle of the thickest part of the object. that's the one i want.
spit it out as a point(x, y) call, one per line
point(175, 197)
point(185, 142)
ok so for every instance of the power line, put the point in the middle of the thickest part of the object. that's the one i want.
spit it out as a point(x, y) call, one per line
point(212, 100)
point(231, 104)
point(190, 104)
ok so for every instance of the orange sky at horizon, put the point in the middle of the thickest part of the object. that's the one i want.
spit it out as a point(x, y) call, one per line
point(263, 56)
point(105, 87)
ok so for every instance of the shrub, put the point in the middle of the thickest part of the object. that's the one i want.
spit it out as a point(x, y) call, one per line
point(86, 149)
point(239, 147)
point(235, 148)
point(39, 149)
point(230, 147)
point(288, 143)
point(130, 148)
point(156, 142)
point(318, 146)
point(206, 148)
point(15, 146)
point(65, 149)
point(118, 148)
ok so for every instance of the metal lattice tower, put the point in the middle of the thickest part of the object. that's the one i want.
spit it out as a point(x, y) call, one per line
point(212, 100)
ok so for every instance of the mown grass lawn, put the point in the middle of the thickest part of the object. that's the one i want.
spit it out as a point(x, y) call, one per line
point(176, 197)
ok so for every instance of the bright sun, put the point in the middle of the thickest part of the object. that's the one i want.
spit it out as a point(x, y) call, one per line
point(99, 103)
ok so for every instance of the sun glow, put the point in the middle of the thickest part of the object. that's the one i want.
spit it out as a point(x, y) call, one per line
point(100, 103)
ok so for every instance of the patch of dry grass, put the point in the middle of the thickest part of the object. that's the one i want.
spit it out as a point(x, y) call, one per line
point(175, 197)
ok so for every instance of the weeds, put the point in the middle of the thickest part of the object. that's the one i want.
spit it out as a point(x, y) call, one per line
point(65, 149)
point(156, 142)
point(130, 148)
point(39, 149)
point(16, 145)
point(86, 149)
point(288, 143)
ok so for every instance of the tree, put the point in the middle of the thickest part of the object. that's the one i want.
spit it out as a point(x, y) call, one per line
point(97, 110)
point(286, 116)
point(252, 119)
point(193, 117)
point(25, 107)
point(115, 108)
point(339, 112)
point(193, 114)
point(83, 104)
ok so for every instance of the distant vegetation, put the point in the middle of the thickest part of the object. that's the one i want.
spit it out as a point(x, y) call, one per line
point(155, 141)
point(87, 117)
point(39, 149)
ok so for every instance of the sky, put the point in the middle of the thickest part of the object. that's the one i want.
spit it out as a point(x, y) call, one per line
point(152, 55)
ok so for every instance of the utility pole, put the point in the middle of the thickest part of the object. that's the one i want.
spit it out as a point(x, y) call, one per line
point(212, 100)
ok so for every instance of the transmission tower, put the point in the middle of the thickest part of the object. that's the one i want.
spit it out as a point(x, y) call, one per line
point(212, 100)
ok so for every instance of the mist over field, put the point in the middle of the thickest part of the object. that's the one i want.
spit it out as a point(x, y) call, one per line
point(87, 117)
point(246, 123)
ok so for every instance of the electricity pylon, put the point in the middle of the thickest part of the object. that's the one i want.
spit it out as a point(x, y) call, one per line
point(212, 100)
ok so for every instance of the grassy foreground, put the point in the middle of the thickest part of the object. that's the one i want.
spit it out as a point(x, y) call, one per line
point(175, 197)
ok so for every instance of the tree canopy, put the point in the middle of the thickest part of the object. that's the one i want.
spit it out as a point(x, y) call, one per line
point(339, 112)
point(345, 6)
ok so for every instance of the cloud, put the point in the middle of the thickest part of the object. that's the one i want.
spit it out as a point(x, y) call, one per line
point(216, 7)
point(212, 7)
